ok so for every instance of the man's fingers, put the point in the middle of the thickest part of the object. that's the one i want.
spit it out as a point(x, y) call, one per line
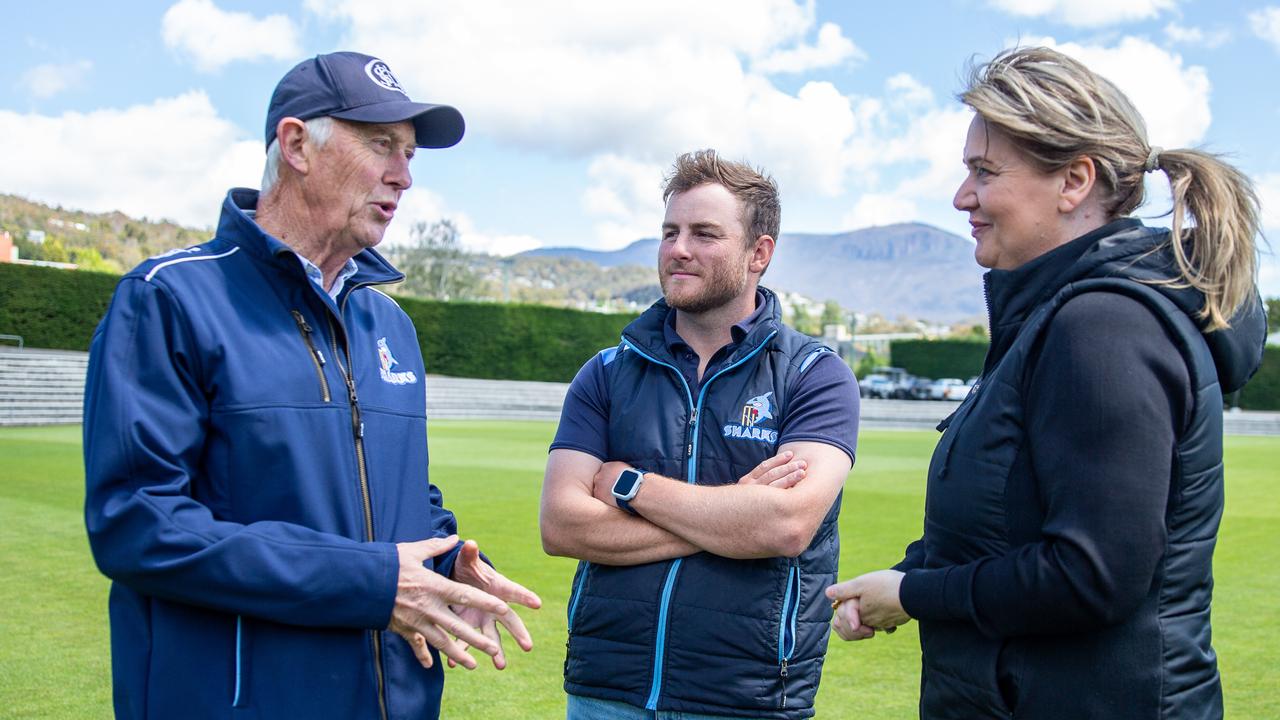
point(470, 553)
point(421, 650)
point(459, 594)
point(513, 592)
point(514, 625)
point(463, 631)
point(490, 630)
point(789, 480)
point(449, 647)
point(755, 477)
point(431, 547)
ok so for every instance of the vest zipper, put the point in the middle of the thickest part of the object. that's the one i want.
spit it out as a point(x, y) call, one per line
point(659, 651)
point(317, 357)
point(357, 432)
point(787, 624)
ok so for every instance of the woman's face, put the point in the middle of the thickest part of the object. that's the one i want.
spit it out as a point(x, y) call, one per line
point(1013, 207)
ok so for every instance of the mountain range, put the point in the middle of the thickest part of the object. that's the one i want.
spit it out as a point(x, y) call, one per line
point(907, 269)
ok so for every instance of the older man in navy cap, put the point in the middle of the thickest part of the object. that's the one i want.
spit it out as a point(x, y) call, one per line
point(255, 442)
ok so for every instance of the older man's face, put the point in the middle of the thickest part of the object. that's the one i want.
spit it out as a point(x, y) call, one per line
point(355, 186)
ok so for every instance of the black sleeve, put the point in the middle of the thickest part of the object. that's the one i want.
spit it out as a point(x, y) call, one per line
point(1104, 406)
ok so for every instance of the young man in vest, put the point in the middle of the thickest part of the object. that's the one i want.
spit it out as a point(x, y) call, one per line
point(697, 473)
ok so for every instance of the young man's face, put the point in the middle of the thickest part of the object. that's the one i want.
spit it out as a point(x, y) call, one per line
point(704, 258)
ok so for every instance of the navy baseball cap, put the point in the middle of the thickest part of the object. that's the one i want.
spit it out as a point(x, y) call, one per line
point(361, 88)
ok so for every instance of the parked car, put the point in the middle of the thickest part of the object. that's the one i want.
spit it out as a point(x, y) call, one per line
point(876, 385)
point(920, 388)
point(949, 389)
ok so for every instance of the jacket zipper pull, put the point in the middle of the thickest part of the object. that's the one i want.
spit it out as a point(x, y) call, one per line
point(783, 673)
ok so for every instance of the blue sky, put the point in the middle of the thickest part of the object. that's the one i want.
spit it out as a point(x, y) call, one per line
point(575, 108)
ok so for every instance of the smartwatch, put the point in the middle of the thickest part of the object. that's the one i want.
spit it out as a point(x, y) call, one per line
point(626, 487)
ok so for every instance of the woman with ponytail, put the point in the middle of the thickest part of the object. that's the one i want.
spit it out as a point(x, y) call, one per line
point(1065, 567)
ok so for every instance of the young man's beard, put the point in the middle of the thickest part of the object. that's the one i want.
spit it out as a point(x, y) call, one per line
point(722, 286)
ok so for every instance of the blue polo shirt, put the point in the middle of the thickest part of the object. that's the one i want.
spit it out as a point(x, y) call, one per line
point(824, 402)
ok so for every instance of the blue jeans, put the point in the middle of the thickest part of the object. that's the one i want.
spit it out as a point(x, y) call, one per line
point(585, 708)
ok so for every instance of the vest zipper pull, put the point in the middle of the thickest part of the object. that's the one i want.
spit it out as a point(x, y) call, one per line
point(783, 673)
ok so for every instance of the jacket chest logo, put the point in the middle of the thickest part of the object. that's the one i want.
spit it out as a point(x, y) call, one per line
point(755, 412)
point(386, 361)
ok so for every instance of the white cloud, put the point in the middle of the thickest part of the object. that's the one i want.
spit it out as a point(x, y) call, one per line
point(625, 198)
point(128, 160)
point(213, 37)
point(638, 81)
point(1086, 13)
point(45, 81)
point(1266, 25)
point(833, 48)
point(874, 209)
point(1195, 36)
point(1174, 100)
point(644, 80)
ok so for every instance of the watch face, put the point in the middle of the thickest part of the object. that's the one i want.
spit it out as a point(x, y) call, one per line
point(625, 486)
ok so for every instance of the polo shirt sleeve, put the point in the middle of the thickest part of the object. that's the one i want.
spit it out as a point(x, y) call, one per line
point(824, 406)
point(584, 418)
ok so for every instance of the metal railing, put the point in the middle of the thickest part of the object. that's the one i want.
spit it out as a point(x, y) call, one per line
point(13, 337)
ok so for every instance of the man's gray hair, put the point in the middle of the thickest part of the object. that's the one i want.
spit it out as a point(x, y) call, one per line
point(318, 130)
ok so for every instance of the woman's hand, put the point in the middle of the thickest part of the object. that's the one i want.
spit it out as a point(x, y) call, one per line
point(867, 603)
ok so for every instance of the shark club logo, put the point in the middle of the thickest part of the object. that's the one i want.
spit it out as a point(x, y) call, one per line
point(387, 361)
point(755, 412)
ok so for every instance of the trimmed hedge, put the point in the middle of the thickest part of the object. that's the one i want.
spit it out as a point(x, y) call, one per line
point(52, 308)
point(939, 358)
point(59, 309)
point(1263, 390)
point(509, 342)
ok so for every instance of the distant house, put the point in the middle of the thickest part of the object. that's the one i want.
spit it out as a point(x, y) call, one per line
point(8, 252)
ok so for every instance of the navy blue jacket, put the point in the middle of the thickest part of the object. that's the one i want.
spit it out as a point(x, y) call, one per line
point(253, 450)
point(704, 633)
point(1065, 569)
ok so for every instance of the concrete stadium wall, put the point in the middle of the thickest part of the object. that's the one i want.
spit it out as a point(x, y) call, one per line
point(43, 387)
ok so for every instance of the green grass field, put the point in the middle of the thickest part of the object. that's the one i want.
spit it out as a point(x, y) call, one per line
point(55, 663)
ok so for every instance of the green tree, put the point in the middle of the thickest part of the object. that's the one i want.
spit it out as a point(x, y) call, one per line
point(1273, 314)
point(436, 266)
point(868, 363)
point(804, 322)
point(54, 250)
point(832, 314)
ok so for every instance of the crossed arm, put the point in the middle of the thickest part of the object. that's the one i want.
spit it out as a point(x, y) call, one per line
point(772, 511)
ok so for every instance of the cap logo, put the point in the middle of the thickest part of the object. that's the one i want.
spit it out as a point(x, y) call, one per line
point(381, 75)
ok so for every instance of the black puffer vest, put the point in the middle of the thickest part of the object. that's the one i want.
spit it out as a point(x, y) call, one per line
point(1157, 663)
point(704, 633)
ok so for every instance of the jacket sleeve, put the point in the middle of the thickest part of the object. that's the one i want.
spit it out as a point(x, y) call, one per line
point(1104, 405)
point(145, 425)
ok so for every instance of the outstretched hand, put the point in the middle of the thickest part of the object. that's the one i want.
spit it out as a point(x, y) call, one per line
point(427, 605)
point(471, 570)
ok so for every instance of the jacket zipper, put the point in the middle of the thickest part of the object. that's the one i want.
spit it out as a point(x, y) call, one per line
point(787, 624)
point(317, 357)
point(357, 432)
point(691, 454)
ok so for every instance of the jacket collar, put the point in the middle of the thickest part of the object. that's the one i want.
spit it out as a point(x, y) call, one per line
point(647, 332)
point(237, 227)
